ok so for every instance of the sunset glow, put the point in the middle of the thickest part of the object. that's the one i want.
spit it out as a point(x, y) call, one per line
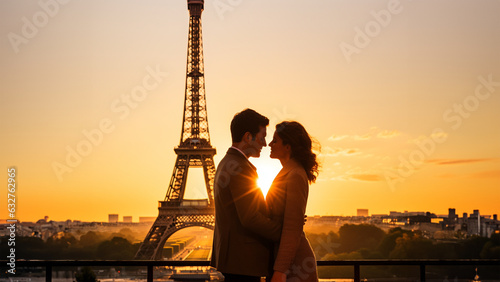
point(267, 169)
point(402, 97)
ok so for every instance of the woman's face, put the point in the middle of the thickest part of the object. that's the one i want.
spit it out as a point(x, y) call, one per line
point(278, 150)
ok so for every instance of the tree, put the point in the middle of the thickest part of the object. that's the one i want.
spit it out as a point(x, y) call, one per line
point(30, 248)
point(389, 241)
point(91, 238)
point(323, 244)
point(353, 237)
point(412, 247)
point(472, 247)
point(446, 251)
point(491, 250)
point(117, 248)
point(62, 240)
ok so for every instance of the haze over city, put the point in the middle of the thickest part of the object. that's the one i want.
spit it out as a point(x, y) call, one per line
point(403, 97)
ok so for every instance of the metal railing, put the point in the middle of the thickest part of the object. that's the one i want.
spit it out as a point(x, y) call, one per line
point(49, 264)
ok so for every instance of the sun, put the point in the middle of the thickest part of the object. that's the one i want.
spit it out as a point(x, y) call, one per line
point(267, 169)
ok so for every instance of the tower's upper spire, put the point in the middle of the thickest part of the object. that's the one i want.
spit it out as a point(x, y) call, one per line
point(195, 7)
point(195, 122)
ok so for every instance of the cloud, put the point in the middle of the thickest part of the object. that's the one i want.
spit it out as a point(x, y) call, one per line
point(337, 137)
point(486, 174)
point(364, 137)
point(458, 161)
point(388, 134)
point(339, 178)
point(439, 135)
point(374, 132)
point(481, 174)
point(335, 152)
point(367, 177)
point(358, 177)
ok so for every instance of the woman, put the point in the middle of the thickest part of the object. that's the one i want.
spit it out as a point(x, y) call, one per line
point(287, 199)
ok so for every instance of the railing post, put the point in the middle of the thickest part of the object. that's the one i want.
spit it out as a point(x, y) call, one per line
point(48, 273)
point(422, 273)
point(150, 273)
point(357, 276)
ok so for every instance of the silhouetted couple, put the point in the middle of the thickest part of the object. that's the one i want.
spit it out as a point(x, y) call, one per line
point(256, 237)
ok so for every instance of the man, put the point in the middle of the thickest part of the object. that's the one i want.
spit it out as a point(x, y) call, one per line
point(242, 249)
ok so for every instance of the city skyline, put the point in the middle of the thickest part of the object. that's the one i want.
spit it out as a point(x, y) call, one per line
point(118, 218)
point(401, 95)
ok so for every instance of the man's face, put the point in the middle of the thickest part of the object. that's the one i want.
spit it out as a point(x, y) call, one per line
point(257, 142)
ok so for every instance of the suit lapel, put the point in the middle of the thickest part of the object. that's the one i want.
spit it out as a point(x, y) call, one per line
point(239, 155)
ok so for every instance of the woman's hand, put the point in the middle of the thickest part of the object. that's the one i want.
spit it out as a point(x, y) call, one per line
point(278, 277)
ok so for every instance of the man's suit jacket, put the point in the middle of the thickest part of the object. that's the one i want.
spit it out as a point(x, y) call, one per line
point(243, 233)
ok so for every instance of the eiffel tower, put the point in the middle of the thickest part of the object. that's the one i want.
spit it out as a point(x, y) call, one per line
point(194, 150)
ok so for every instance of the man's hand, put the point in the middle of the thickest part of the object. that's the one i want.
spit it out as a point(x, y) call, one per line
point(278, 277)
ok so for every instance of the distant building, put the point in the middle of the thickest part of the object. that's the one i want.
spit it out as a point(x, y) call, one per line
point(112, 218)
point(437, 220)
point(415, 213)
point(362, 212)
point(489, 227)
point(451, 214)
point(450, 220)
point(474, 223)
point(143, 219)
point(414, 219)
point(483, 226)
point(395, 214)
point(127, 219)
point(406, 214)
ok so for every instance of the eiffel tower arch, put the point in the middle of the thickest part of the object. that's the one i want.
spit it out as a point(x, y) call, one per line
point(194, 150)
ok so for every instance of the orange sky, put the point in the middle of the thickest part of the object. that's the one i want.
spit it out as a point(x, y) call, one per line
point(402, 95)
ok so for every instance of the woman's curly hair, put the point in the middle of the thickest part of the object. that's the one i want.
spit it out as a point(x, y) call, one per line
point(294, 134)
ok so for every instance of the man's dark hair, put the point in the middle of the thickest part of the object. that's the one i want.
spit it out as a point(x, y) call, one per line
point(247, 120)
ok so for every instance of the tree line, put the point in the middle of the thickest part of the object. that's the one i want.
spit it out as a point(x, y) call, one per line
point(365, 241)
point(352, 241)
point(92, 245)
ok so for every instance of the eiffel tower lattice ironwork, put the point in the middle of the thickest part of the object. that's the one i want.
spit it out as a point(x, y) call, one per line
point(194, 150)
